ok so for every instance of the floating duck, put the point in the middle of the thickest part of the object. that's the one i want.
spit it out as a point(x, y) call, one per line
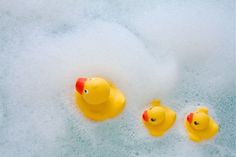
point(200, 126)
point(98, 99)
point(158, 118)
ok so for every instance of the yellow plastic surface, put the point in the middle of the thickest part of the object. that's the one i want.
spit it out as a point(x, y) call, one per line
point(200, 126)
point(99, 99)
point(158, 118)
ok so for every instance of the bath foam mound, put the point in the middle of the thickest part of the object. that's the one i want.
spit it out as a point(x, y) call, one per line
point(180, 52)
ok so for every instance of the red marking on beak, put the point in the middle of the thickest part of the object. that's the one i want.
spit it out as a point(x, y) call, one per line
point(79, 86)
point(145, 116)
point(190, 118)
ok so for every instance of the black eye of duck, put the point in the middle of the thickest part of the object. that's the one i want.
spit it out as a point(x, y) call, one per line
point(196, 123)
point(153, 119)
point(86, 91)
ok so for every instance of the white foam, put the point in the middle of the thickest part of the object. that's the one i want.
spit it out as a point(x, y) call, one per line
point(179, 52)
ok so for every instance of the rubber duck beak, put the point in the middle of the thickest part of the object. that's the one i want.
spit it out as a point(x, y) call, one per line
point(145, 116)
point(190, 118)
point(79, 86)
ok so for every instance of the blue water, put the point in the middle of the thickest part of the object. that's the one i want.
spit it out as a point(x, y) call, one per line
point(181, 52)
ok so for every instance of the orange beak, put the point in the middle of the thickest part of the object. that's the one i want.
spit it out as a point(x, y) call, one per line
point(190, 118)
point(79, 86)
point(145, 116)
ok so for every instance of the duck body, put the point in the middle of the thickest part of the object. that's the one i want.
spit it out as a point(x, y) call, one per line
point(158, 118)
point(200, 126)
point(98, 99)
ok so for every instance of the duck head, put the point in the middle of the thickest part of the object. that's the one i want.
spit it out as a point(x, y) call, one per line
point(154, 115)
point(94, 91)
point(199, 120)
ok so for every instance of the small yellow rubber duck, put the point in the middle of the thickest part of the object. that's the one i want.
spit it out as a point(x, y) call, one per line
point(200, 126)
point(98, 99)
point(158, 118)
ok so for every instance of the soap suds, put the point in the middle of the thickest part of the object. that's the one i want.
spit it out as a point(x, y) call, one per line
point(180, 52)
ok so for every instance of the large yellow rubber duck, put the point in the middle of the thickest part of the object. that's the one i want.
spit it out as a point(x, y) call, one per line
point(98, 99)
point(200, 126)
point(158, 118)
